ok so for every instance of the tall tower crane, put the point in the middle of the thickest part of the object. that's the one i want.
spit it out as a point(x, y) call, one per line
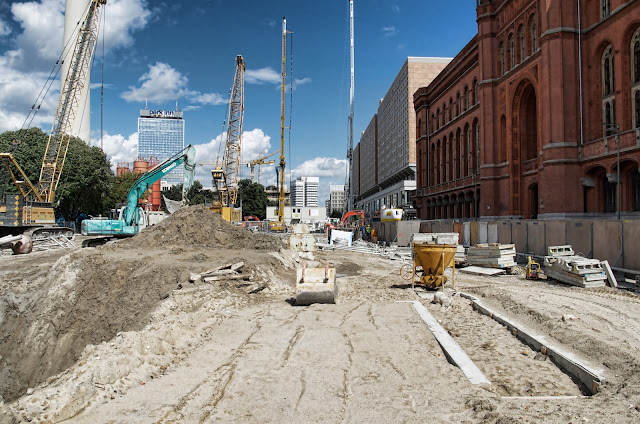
point(227, 171)
point(38, 198)
point(260, 161)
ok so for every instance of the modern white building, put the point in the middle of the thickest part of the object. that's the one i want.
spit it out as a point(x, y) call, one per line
point(304, 192)
point(299, 215)
point(337, 198)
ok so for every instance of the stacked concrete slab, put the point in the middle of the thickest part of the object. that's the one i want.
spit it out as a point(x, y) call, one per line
point(493, 255)
point(563, 265)
point(435, 238)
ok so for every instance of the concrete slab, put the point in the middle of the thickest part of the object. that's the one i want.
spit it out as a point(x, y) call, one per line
point(606, 241)
point(607, 270)
point(519, 236)
point(580, 238)
point(590, 377)
point(631, 233)
point(478, 270)
point(536, 241)
point(492, 233)
point(555, 232)
point(450, 348)
point(504, 232)
point(482, 232)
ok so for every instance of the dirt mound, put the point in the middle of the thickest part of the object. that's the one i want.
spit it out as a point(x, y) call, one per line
point(194, 226)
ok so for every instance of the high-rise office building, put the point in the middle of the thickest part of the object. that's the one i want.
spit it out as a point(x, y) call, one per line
point(337, 198)
point(161, 135)
point(304, 191)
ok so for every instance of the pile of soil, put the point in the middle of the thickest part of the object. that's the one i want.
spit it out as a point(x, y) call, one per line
point(90, 295)
point(198, 226)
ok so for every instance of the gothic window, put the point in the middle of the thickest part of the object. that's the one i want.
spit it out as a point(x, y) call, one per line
point(635, 190)
point(502, 62)
point(476, 98)
point(438, 118)
point(609, 195)
point(521, 43)
point(635, 77)
point(534, 34)
point(450, 109)
point(458, 103)
point(608, 97)
point(512, 52)
point(433, 123)
point(466, 97)
point(605, 6)
point(444, 113)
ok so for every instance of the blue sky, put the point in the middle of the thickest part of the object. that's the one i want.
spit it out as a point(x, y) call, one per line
point(186, 49)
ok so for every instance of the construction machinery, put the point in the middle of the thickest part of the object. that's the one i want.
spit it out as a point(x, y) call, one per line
point(31, 211)
point(226, 173)
point(133, 218)
point(260, 161)
point(279, 224)
point(432, 254)
point(316, 285)
point(532, 271)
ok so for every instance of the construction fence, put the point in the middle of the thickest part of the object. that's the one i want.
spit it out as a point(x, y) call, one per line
point(617, 241)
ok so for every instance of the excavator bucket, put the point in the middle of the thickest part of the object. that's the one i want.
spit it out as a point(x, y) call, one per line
point(316, 285)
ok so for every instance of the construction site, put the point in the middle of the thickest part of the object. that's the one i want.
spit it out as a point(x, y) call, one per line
point(198, 316)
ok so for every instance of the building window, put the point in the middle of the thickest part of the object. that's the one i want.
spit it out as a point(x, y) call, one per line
point(609, 195)
point(466, 97)
point(608, 97)
point(438, 118)
point(444, 113)
point(476, 87)
point(433, 123)
point(635, 190)
point(512, 52)
point(534, 34)
point(502, 62)
point(521, 43)
point(605, 6)
point(635, 77)
point(450, 109)
point(458, 103)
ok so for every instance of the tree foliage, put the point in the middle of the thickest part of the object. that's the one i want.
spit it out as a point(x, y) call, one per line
point(335, 214)
point(254, 199)
point(197, 195)
point(86, 180)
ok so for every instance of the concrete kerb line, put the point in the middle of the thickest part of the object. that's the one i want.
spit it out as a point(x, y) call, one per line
point(450, 347)
point(591, 378)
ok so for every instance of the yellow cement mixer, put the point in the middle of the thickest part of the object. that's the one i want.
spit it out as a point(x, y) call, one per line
point(432, 254)
point(316, 285)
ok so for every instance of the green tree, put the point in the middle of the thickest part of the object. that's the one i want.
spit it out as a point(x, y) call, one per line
point(121, 186)
point(197, 195)
point(86, 178)
point(335, 214)
point(254, 199)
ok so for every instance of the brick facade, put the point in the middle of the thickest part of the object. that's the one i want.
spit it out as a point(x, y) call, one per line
point(544, 97)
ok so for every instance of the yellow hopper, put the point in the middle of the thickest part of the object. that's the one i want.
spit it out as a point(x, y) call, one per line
point(429, 263)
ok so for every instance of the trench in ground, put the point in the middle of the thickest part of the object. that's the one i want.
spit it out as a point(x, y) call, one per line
point(513, 368)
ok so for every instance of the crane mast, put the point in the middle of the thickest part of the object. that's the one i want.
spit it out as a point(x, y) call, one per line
point(227, 172)
point(282, 162)
point(350, 190)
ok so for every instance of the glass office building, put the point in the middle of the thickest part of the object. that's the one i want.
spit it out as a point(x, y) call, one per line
point(161, 135)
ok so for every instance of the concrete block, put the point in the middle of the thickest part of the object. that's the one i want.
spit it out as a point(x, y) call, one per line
point(425, 226)
point(631, 244)
point(457, 228)
point(579, 236)
point(535, 235)
point(404, 231)
point(606, 241)
point(466, 233)
point(474, 233)
point(482, 232)
point(492, 233)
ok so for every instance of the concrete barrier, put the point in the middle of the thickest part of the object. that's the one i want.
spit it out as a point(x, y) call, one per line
point(492, 232)
point(519, 236)
point(504, 232)
point(555, 233)
point(580, 237)
point(536, 237)
point(606, 242)
point(474, 233)
point(482, 232)
point(404, 229)
point(466, 233)
point(631, 237)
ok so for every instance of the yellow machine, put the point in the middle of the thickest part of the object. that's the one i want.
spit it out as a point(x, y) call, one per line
point(429, 264)
point(533, 271)
point(33, 207)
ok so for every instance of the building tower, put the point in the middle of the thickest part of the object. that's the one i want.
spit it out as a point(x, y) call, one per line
point(161, 135)
point(74, 10)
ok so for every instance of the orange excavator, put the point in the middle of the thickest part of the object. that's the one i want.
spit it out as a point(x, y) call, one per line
point(343, 224)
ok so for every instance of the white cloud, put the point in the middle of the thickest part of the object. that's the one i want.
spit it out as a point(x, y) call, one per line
point(25, 69)
point(255, 143)
point(4, 28)
point(389, 31)
point(163, 83)
point(119, 149)
point(301, 81)
point(260, 76)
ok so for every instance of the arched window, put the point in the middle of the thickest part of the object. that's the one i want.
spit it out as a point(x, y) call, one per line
point(502, 64)
point(605, 7)
point(432, 165)
point(635, 77)
point(433, 123)
point(458, 103)
point(608, 97)
point(466, 97)
point(438, 118)
point(533, 26)
point(445, 160)
point(476, 92)
point(444, 113)
point(503, 139)
point(450, 108)
point(512, 52)
point(521, 43)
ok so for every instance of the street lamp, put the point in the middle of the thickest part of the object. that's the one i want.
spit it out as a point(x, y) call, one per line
point(616, 128)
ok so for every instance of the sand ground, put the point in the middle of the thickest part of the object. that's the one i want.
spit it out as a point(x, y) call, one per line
point(117, 334)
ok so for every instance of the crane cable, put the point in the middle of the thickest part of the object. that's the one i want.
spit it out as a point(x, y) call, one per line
point(49, 82)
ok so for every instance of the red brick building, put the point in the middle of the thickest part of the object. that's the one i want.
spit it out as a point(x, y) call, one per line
point(525, 121)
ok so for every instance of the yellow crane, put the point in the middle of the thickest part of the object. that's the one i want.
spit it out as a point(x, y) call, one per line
point(33, 207)
point(260, 161)
point(227, 171)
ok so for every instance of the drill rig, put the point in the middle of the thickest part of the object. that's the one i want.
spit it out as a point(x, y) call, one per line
point(227, 172)
point(32, 210)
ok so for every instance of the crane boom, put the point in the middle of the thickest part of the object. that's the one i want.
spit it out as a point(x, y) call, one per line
point(70, 96)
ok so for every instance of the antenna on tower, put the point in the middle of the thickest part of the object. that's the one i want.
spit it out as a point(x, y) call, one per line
point(146, 106)
point(176, 102)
